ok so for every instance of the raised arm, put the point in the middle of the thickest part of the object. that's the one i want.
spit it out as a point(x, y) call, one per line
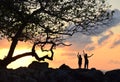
point(78, 54)
point(90, 55)
point(83, 52)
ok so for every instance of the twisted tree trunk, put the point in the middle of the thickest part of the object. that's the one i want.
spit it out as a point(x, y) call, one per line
point(8, 59)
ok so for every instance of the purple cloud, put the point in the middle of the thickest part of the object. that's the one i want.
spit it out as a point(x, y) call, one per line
point(79, 41)
point(104, 37)
point(90, 48)
point(117, 42)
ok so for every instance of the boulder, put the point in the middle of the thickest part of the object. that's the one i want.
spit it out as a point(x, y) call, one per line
point(112, 76)
point(64, 67)
point(39, 72)
point(38, 65)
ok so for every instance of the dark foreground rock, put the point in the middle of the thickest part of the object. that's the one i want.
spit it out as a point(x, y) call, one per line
point(38, 66)
point(113, 76)
point(39, 72)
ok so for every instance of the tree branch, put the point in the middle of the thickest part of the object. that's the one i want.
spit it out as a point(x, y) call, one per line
point(21, 55)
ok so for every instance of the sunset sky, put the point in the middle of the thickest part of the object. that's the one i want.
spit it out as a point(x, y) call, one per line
point(105, 46)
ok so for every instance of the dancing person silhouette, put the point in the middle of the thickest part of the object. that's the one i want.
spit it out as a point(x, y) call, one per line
point(86, 63)
point(79, 60)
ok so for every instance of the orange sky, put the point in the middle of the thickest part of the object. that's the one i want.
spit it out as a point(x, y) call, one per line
point(105, 47)
point(106, 53)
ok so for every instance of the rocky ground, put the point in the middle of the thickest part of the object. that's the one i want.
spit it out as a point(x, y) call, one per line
point(39, 72)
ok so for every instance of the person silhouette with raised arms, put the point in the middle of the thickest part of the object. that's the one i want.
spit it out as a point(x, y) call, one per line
point(86, 63)
point(79, 60)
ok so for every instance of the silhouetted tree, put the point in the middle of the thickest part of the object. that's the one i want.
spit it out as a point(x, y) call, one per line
point(46, 22)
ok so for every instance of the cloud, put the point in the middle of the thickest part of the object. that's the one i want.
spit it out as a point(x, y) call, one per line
point(90, 48)
point(79, 41)
point(114, 62)
point(116, 18)
point(117, 42)
point(105, 37)
point(101, 27)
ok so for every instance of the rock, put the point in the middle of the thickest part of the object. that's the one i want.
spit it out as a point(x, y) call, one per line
point(112, 76)
point(95, 75)
point(29, 79)
point(39, 72)
point(59, 75)
point(38, 65)
point(87, 75)
point(64, 67)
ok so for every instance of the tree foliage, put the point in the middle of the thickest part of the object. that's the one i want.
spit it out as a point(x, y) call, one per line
point(47, 22)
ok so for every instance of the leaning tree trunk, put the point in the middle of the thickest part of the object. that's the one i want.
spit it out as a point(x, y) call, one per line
point(8, 59)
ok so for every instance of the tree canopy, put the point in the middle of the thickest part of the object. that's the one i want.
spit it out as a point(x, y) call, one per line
point(47, 22)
